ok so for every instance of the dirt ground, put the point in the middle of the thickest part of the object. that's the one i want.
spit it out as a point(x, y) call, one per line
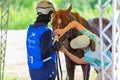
point(16, 57)
point(16, 61)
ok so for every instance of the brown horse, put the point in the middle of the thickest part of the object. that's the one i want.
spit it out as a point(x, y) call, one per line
point(61, 18)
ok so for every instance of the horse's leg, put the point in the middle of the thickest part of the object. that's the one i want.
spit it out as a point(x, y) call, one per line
point(86, 71)
point(70, 69)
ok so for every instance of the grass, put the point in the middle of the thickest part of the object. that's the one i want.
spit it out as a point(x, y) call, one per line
point(12, 76)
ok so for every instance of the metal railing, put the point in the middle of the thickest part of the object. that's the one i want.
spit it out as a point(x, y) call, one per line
point(114, 42)
point(4, 14)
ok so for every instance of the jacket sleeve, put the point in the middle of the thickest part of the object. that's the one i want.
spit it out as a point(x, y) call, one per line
point(45, 47)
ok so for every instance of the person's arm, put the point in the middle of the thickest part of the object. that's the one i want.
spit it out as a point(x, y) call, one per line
point(74, 24)
point(73, 57)
point(45, 47)
point(78, 26)
point(71, 25)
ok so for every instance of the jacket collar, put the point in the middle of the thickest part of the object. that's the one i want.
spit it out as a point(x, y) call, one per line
point(38, 24)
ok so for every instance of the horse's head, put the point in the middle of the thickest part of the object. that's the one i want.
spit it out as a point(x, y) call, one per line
point(60, 19)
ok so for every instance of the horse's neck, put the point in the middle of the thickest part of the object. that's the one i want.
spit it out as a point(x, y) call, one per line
point(72, 17)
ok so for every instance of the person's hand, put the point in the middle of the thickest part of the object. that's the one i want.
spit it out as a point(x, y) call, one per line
point(59, 32)
point(57, 45)
point(56, 38)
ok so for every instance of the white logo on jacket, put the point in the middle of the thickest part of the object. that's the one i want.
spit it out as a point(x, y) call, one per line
point(31, 40)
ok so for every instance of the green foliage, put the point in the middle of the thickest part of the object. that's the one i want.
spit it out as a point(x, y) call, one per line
point(21, 15)
point(21, 19)
point(24, 3)
point(23, 12)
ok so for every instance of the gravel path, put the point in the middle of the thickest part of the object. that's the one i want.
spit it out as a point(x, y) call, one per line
point(16, 54)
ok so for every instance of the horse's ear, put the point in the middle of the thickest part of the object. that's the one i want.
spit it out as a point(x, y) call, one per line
point(53, 13)
point(69, 9)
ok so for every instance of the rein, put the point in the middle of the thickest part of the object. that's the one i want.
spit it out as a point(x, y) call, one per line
point(58, 63)
point(58, 66)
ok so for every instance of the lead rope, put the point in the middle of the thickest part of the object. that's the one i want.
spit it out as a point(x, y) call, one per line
point(58, 64)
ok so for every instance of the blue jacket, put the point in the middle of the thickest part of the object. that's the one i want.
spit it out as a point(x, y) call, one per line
point(33, 46)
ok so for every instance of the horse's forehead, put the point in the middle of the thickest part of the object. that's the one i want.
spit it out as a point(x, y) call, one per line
point(60, 13)
point(58, 16)
point(60, 19)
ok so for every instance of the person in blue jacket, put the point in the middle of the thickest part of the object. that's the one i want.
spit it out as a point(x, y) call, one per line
point(39, 43)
